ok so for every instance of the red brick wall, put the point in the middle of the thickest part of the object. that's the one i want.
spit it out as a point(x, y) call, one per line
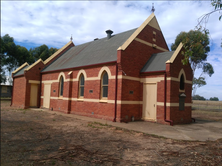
point(147, 35)
point(129, 110)
point(19, 92)
point(34, 72)
point(173, 91)
point(131, 62)
point(100, 110)
point(135, 56)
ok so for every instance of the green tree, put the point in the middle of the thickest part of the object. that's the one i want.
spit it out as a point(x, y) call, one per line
point(198, 97)
point(196, 44)
point(13, 56)
point(42, 52)
point(214, 99)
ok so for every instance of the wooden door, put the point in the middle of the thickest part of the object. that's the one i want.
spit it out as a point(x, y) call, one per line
point(149, 101)
point(46, 98)
point(33, 95)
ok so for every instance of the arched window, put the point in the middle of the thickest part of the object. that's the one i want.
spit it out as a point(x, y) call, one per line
point(182, 82)
point(81, 85)
point(104, 85)
point(61, 84)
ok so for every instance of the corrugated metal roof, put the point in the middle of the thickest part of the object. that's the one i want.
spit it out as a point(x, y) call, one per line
point(98, 51)
point(157, 62)
point(21, 71)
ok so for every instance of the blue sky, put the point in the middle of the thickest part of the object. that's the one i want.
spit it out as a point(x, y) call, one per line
point(33, 23)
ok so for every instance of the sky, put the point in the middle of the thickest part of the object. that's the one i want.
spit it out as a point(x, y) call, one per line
point(33, 23)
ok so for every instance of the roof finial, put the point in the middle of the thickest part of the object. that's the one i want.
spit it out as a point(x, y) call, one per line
point(71, 37)
point(153, 8)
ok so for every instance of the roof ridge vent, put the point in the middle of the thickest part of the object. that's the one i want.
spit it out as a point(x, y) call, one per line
point(109, 33)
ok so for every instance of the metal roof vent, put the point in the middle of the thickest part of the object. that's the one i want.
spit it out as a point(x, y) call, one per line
point(109, 32)
point(96, 39)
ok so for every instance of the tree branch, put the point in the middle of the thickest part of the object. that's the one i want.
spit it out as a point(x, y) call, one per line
point(206, 16)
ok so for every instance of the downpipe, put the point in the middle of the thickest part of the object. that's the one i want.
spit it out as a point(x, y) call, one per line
point(116, 82)
point(170, 121)
point(12, 91)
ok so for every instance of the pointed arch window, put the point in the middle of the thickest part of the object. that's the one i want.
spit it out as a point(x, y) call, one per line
point(81, 85)
point(182, 82)
point(104, 85)
point(61, 85)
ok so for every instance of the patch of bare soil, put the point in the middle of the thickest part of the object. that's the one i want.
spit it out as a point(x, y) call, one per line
point(31, 137)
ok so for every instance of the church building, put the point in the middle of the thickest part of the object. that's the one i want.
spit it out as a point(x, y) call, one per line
point(123, 77)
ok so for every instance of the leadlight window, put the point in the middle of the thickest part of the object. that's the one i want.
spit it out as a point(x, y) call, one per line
point(104, 85)
point(81, 85)
point(182, 82)
point(61, 85)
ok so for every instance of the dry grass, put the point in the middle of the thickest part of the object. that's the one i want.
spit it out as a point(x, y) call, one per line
point(207, 102)
point(207, 110)
point(207, 105)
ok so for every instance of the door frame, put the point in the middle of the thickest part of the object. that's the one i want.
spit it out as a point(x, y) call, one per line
point(45, 95)
point(35, 95)
point(145, 102)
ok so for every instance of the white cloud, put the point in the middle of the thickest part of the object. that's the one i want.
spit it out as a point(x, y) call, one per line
point(53, 22)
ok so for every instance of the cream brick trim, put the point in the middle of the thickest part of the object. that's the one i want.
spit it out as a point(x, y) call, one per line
point(105, 68)
point(120, 102)
point(22, 66)
point(82, 71)
point(152, 80)
point(70, 73)
point(128, 78)
point(172, 104)
point(151, 20)
point(178, 80)
point(49, 81)
point(34, 82)
point(57, 52)
point(176, 52)
point(151, 45)
point(98, 100)
point(40, 60)
point(143, 80)
point(129, 102)
point(61, 74)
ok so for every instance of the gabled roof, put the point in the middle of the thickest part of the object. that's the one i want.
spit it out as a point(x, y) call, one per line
point(176, 52)
point(26, 66)
point(151, 20)
point(29, 67)
point(57, 52)
point(21, 67)
point(157, 62)
point(21, 71)
point(95, 52)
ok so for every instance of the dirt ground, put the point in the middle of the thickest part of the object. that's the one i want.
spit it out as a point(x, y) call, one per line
point(31, 137)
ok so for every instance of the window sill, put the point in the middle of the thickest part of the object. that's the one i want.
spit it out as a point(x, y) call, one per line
point(103, 101)
point(181, 90)
point(60, 97)
point(80, 99)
